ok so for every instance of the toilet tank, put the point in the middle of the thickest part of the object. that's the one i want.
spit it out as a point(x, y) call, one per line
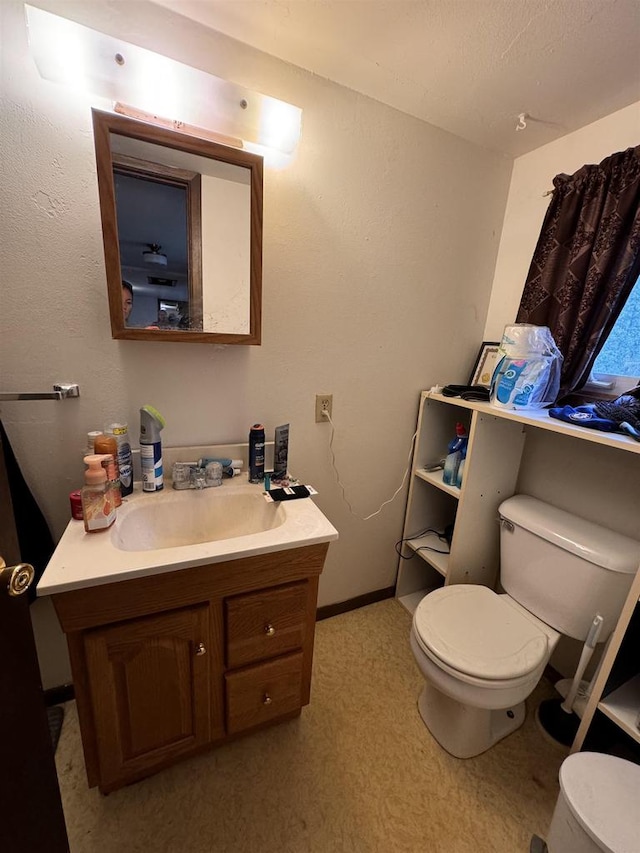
point(562, 568)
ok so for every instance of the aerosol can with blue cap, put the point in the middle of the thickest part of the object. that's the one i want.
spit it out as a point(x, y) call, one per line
point(151, 422)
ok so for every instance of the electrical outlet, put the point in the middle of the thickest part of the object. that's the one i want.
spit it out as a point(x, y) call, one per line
point(324, 403)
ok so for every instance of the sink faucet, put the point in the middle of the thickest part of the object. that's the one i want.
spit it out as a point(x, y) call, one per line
point(197, 477)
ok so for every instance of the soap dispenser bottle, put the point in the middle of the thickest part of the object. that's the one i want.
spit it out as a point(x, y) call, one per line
point(151, 422)
point(98, 508)
point(454, 457)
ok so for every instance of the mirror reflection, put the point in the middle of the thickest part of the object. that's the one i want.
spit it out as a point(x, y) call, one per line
point(182, 233)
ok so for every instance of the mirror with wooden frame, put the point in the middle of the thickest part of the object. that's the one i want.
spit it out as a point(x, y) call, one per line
point(182, 233)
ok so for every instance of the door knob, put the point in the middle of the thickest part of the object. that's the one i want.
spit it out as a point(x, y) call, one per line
point(201, 649)
point(17, 578)
point(269, 630)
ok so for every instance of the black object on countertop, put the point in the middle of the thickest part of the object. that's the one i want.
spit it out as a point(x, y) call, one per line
point(467, 392)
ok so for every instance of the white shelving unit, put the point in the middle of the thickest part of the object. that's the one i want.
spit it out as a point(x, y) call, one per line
point(622, 704)
point(473, 556)
point(623, 707)
point(494, 454)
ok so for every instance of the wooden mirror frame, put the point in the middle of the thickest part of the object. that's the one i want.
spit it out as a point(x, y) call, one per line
point(105, 124)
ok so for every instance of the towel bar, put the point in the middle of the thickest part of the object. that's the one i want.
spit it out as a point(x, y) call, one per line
point(60, 392)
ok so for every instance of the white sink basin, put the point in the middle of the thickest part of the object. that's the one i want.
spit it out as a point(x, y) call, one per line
point(192, 517)
point(170, 530)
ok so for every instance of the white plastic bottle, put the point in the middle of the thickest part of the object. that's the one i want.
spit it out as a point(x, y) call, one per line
point(460, 471)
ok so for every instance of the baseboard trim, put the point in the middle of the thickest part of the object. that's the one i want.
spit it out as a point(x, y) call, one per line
point(59, 695)
point(329, 610)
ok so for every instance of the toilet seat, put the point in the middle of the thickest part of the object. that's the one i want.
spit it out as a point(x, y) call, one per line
point(479, 637)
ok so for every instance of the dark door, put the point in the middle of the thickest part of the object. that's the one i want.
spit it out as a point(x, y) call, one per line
point(31, 818)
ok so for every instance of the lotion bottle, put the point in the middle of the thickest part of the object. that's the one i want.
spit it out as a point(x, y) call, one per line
point(106, 445)
point(98, 508)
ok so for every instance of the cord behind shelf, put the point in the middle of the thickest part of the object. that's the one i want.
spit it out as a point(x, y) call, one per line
point(327, 416)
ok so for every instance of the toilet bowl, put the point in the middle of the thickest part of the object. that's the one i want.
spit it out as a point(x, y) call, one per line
point(481, 655)
point(597, 808)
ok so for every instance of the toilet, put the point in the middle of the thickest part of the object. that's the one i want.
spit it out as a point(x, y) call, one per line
point(597, 808)
point(483, 653)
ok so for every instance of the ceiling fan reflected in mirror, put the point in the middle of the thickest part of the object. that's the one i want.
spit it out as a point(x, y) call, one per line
point(153, 255)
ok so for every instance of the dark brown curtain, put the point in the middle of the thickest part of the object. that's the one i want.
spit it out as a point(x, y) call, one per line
point(586, 261)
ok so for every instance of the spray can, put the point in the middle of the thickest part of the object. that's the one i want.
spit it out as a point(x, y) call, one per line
point(151, 422)
point(125, 465)
point(256, 453)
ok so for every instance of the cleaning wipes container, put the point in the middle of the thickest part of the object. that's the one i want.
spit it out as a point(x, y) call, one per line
point(527, 374)
point(597, 808)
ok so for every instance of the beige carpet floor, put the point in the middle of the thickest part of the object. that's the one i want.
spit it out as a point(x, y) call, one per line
point(358, 772)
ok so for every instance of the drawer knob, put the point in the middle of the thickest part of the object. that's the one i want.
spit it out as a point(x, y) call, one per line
point(266, 699)
point(269, 630)
point(200, 649)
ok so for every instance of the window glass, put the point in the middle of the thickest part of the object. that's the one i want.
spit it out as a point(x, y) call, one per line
point(620, 356)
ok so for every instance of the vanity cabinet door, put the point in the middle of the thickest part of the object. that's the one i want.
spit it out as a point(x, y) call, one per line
point(150, 684)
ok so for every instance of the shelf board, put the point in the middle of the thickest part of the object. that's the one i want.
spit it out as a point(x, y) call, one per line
point(435, 478)
point(440, 562)
point(412, 600)
point(542, 420)
point(623, 706)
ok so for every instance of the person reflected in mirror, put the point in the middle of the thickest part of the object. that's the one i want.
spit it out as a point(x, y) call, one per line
point(127, 301)
point(163, 319)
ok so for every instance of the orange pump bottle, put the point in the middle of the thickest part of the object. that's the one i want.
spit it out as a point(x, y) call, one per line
point(98, 507)
point(107, 445)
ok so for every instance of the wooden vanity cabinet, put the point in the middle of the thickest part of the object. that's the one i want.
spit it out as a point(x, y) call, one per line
point(167, 665)
point(150, 686)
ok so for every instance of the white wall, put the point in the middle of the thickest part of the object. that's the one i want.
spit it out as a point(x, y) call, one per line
point(380, 241)
point(532, 177)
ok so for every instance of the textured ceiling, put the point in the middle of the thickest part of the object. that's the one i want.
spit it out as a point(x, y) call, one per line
point(468, 66)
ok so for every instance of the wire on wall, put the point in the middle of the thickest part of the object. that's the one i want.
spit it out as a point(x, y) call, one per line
point(339, 481)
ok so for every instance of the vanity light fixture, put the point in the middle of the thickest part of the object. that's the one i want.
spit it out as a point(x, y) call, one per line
point(79, 57)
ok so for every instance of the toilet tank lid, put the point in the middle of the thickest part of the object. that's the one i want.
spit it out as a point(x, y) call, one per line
point(601, 791)
point(592, 542)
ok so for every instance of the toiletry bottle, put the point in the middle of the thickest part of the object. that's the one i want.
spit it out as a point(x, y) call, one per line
point(125, 465)
point(454, 456)
point(97, 498)
point(151, 422)
point(107, 445)
point(256, 453)
point(91, 441)
point(461, 467)
point(280, 452)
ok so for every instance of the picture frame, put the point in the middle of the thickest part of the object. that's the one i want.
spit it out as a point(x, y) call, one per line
point(485, 364)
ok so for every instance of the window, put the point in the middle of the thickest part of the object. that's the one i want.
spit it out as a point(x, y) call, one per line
point(617, 366)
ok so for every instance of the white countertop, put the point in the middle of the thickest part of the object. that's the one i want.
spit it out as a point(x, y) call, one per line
point(91, 559)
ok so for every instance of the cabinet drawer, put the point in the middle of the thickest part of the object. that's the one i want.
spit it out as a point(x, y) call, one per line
point(264, 692)
point(265, 624)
